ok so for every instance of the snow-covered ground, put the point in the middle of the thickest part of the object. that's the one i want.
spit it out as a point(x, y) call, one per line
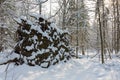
point(75, 69)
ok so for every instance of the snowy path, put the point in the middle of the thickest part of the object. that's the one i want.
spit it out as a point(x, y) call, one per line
point(75, 69)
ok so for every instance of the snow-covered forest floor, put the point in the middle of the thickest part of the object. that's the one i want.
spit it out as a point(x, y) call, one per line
point(85, 68)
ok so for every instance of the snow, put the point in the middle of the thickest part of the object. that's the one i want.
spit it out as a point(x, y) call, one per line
point(30, 47)
point(75, 69)
point(46, 35)
point(18, 20)
point(34, 38)
point(52, 48)
point(8, 56)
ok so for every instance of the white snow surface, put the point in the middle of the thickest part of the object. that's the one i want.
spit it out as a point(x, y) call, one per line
point(75, 69)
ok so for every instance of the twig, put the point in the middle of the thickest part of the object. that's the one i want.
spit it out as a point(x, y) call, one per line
point(95, 55)
point(15, 60)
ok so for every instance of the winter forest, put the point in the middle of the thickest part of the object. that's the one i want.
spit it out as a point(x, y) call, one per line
point(59, 39)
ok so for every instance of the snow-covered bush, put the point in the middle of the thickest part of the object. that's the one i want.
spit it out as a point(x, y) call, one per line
point(41, 42)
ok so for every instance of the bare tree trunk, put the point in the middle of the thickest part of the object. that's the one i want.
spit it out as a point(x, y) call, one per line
point(64, 13)
point(100, 30)
point(1, 38)
point(77, 42)
point(83, 50)
point(118, 27)
point(40, 8)
point(101, 38)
